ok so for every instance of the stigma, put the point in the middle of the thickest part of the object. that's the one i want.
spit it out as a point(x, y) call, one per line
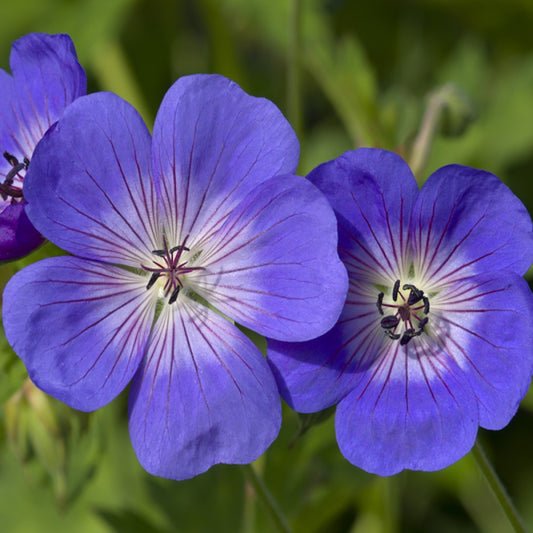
point(169, 269)
point(406, 315)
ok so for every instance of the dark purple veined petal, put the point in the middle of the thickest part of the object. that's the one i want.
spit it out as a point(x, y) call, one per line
point(89, 188)
point(203, 395)
point(486, 324)
point(466, 221)
point(80, 327)
point(273, 266)
point(47, 78)
point(372, 192)
point(213, 143)
point(314, 375)
point(414, 409)
point(18, 237)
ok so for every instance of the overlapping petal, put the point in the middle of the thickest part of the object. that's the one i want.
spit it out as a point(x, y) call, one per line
point(47, 77)
point(485, 324)
point(372, 192)
point(413, 412)
point(213, 143)
point(273, 265)
point(316, 374)
point(203, 395)
point(80, 327)
point(89, 187)
point(18, 237)
point(466, 221)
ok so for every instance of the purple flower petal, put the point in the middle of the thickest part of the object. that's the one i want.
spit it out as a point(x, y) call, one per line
point(485, 324)
point(467, 221)
point(47, 78)
point(273, 266)
point(203, 395)
point(89, 188)
point(413, 411)
point(18, 237)
point(80, 327)
point(213, 143)
point(314, 375)
point(373, 210)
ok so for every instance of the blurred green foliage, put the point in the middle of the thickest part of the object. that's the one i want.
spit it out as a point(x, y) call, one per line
point(366, 72)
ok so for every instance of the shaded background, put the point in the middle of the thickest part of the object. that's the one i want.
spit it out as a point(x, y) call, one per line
point(367, 72)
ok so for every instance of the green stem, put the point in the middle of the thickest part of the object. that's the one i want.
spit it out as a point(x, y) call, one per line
point(266, 498)
point(424, 139)
point(497, 486)
point(294, 110)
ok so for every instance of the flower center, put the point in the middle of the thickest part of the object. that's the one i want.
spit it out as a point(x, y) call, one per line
point(409, 307)
point(168, 269)
point(12, 185)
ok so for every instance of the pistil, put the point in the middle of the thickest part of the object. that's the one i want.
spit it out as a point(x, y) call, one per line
point(172, 267)
point(404, 313)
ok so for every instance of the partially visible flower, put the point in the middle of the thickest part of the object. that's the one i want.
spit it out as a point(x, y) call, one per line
point(436, 336)
point(222, 230)
point(46, 78)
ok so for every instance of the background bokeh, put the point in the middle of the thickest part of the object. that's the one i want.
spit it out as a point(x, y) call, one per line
point(350, 74)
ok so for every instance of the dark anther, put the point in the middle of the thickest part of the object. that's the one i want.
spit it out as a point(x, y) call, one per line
point(179, 247)
point(13, 172)
point(152, 280)
point(425, 299)
point(408, 334)
point(422, 324)
point(160, 253)
point(395, 290)
point(389, 322)
point(379, 303)
point(11, 159)
point(393, 336)
point(174, 295)
point(415, 295)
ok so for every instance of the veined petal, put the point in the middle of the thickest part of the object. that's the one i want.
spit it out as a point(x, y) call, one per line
point(80, 327)
point(89, 188)
point(203, 395)
point(372, 192)
point(466, 221)
point(316, 374)
point(485, 323)
point(273, 266)
point(213, 143)
point(47, 78)
point(413, 409)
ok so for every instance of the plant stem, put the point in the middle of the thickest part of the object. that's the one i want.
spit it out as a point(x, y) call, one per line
point(264, 495)
point(497, 487)
point(294, 110)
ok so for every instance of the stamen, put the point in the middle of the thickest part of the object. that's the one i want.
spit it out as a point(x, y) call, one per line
point(395, 290)
point(379, 303)
point(174, 295)
point(408, 334)
point(153, 278)
point(179, 247)
point(415, 295)
point(404, 312)
point(390, 322)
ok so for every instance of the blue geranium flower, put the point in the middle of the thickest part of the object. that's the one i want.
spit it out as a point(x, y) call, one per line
point(206, 215)
point(435, 338)
point(46, 78)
